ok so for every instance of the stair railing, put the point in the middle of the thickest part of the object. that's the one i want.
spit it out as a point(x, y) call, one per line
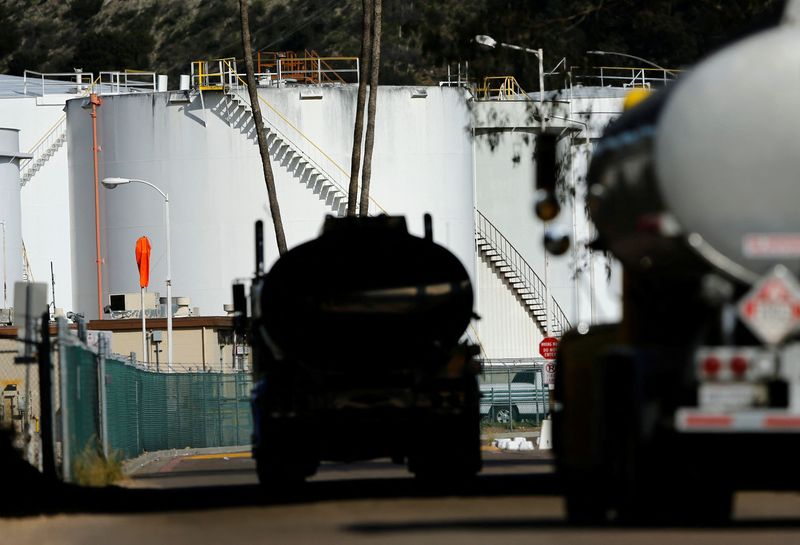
point(530, 280)
point(297, 148)
point(43, 145)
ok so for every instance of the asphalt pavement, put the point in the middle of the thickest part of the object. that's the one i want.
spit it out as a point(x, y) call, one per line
point(212, 498)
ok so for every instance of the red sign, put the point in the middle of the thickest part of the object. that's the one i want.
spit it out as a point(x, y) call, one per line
point(548, 348)
point(771, 309)
point(143, 261)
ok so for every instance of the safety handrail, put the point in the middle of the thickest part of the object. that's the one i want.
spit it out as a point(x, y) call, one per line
point(42, 146)
point(508, 88)
point(44, 143)
point(307, 139)
point(487, 230)
point(46, 80)
point(117, 81)
point(630, 76)
point(310, 68)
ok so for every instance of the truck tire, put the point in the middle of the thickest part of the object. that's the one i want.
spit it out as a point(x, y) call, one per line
point(499, 414)
point(448, 452)
point(641, 474)
point(279, 466)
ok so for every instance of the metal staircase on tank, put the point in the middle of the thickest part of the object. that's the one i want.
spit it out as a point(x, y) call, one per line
point(44, 149)
point(283, 151)
point(518, 275)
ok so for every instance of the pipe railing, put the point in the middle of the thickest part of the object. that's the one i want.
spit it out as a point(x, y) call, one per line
point(64, 82)
point(627, 77)
point(531, 281)
point(129, 81)
point(42, 146)
point(231, 68)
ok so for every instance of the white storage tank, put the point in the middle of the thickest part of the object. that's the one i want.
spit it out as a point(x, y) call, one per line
point(11, 266)
point(203, 153)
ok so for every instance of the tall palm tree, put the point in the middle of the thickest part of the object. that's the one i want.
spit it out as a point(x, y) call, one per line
point(369, 140)
point(358, 131)
point(269, 178)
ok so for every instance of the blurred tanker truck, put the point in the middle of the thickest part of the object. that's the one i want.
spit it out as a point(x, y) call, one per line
point(696, 393)
point(357, 354)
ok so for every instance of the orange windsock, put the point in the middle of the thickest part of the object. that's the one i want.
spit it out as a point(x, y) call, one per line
point(143, 261)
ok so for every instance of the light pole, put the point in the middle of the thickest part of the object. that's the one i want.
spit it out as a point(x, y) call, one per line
point(634, 57)
point(111, 183)
point(488, 41)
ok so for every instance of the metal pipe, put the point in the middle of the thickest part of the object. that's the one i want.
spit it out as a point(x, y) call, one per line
point(169, 284)
point(95, 101)
point(5, 276)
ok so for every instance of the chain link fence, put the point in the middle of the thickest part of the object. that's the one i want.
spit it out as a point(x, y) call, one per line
point(513, 394)
point(19, 401)
point(123, 410)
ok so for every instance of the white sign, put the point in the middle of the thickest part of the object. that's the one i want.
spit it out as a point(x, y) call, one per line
point(771, 309)
point(771, 246)
point(550, 372)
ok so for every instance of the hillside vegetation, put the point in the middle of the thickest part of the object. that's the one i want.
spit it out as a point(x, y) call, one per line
point(420, 37)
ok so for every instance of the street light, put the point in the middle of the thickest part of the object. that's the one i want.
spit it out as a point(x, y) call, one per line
point(112, 183)
point(488, 41)
point(634, 57)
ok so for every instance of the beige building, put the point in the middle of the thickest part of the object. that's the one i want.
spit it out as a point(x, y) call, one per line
point(201, 343)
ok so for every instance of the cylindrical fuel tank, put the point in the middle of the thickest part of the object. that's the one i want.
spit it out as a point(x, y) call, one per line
point(366, 292)
point(709, 168)
point(202, 151)
point(11, 267)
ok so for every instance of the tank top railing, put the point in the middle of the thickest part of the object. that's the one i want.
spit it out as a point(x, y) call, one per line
point(527, 281)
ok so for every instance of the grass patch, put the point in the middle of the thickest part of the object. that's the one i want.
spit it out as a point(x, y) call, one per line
point(92, 468)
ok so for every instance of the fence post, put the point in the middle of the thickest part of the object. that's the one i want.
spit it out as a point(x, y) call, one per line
point(510, 404)
point(46, 416)
point(66, 461)
point(236, 384)
point(101, 393)
point(537, 380)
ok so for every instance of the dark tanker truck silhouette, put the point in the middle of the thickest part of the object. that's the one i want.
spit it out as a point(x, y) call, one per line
point(357, 354)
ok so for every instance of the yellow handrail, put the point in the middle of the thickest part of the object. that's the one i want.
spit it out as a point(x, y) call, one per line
point(509, 88)
point(328, 157)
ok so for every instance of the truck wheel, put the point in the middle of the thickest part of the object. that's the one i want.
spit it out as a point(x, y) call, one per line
point(447, 453)
point(278, 472)
point(278, 465)
point(504, 415)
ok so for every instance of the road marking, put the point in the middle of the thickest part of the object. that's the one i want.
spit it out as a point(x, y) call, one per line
point(219, 456)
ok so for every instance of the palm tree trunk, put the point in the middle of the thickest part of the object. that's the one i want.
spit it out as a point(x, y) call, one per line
point(369, 139)
point(269, 178)
point(358, 131)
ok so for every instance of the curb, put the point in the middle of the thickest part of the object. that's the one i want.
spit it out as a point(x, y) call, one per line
point(131, 466)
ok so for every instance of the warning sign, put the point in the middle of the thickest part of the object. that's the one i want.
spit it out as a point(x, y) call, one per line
point(548, 348)
point(772, 308)
point(550, 373)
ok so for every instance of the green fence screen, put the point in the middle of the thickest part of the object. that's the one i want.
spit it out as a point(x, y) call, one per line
point(148, 411)
point(80, 407)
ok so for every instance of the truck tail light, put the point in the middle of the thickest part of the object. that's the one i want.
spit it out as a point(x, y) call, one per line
point(711, 366)
point(739, 366)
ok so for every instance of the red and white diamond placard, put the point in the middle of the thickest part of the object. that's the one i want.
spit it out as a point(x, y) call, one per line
point(771, 309)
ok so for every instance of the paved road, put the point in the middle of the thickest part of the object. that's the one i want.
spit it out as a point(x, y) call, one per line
point(238, 468)
point(213, 500)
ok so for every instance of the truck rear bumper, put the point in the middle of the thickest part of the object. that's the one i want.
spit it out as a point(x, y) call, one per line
point(695, 420)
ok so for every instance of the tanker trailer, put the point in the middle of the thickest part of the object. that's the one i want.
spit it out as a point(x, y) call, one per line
point(357, 354)
point(696, 393)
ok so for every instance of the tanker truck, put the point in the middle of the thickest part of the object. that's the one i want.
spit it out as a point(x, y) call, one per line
point(695, 394)
point(357, 354)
